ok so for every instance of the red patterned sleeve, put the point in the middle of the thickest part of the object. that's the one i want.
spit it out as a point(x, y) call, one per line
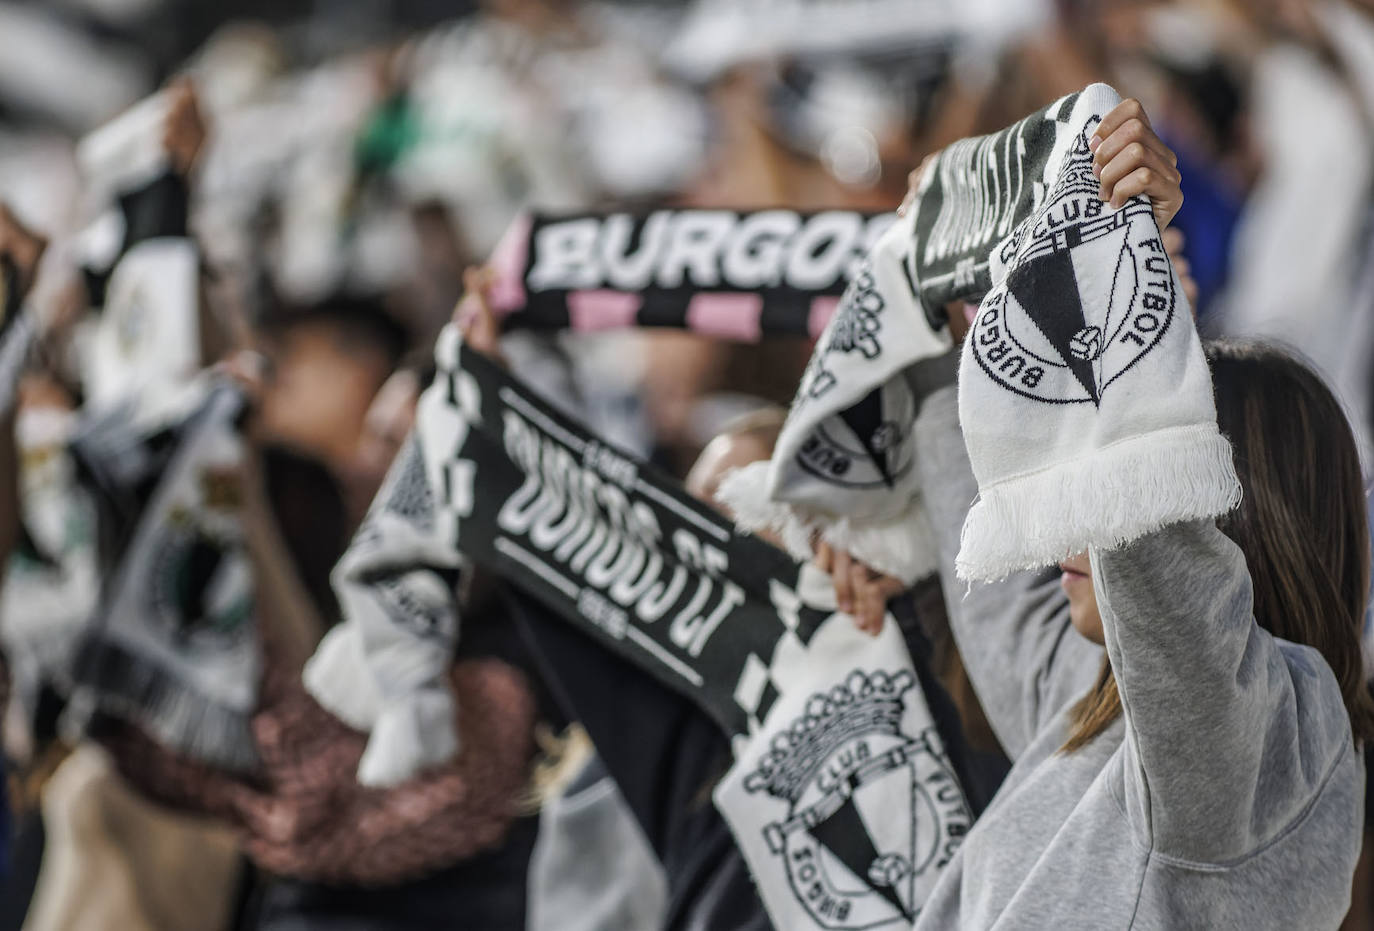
point(310, 819)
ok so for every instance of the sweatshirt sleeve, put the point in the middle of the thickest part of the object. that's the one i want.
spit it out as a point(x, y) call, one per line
point(1024, 658)
point(1230, 733)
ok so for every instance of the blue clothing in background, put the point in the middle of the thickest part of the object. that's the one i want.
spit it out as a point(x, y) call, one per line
point(1211, 209)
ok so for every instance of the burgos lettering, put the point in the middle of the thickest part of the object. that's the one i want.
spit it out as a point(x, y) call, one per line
point(702, 249)
point(584, 520)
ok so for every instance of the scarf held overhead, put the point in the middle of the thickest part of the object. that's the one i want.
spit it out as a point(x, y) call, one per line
point(732, 275)
point(842, 468)
point(1084, 396)
point(172, 647)
point(842, 797)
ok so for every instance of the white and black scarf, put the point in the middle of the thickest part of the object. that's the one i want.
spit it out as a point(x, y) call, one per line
point(171, 647)
point(726, 274)
point(1084, 396)
point(838, 756)
point(842, 471)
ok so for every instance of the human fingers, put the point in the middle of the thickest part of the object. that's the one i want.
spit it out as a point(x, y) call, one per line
point(1132, 132)
point(913, 183)
point(474, 315)
point(1130, 159)
point(1128, 109)
point(248, 369)
point(869, 604)
point(824, 558)
point(1164, 193)
point(183, 131)
point(844, 583)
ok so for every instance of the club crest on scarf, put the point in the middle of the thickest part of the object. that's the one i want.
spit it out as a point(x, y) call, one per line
point(864, 445)
point(854, 861)
point(1088, 292)
point(201, 584)
point(856, 328)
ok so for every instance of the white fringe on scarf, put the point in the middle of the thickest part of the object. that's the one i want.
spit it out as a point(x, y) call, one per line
point(901, 546)
point(1104, 499)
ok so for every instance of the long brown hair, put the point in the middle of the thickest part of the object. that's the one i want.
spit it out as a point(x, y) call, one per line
point(1301, 525)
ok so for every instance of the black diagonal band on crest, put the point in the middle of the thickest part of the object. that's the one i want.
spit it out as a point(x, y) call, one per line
point(865, 418)
point(845, 836)
point(1047, 289)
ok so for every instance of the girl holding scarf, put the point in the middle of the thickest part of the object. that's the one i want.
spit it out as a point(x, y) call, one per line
point(1204, 769)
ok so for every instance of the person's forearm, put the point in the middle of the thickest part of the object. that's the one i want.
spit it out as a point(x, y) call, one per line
point(1228, 737)
point(1023, 657)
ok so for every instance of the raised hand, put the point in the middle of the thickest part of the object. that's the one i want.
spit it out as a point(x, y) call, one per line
point(474, 315)
point(21, 246)
point(183, 132)
point(860, 592)
point(1129, 159)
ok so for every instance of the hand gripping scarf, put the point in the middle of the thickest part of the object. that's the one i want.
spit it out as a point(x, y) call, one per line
point(1084, 397)
point(842, 798)
point(1013, 217)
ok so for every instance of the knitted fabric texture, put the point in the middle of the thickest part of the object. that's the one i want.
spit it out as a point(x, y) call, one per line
point(842, 468)
point(1084, 397)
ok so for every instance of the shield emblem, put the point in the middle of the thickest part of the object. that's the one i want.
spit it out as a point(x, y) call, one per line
point(871, 809)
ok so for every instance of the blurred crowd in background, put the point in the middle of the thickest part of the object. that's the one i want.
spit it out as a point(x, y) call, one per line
point(377, 149)
point(346, 161)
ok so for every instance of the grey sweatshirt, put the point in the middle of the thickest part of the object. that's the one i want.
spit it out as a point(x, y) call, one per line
point(1229, 795)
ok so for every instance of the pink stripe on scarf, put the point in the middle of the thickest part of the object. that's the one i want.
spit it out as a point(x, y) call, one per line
point(822, 309)
point(602, 310)
point(731, 316)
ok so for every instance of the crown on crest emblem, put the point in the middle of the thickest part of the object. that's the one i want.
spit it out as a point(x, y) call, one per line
point(867, 703)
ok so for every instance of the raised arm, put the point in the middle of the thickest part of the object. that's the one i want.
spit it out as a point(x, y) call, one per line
point(1023, 656)
point(1230, 733)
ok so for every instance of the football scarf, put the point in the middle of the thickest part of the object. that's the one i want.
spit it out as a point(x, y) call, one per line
point(842, 798)
point(722, 273)
point(1084, 396)
point(1076, 294)
point(172, 646)
point(52, 580)
point(147, 337)
point(141, 266)
point(842, 470)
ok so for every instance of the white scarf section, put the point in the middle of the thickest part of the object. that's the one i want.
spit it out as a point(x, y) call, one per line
point(1084, 397)
point(384, 670)
point(842, 470)
point(147, 337)
point(51, 589)
point(844, 802)
point(173, 646)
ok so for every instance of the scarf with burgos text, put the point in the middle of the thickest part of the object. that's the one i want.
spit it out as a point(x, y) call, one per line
point(1084, 396)
point(1012, 217)
point(727, 274)
point(842, 796)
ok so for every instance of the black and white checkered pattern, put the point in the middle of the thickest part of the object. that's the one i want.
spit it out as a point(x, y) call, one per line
point(757, 690)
